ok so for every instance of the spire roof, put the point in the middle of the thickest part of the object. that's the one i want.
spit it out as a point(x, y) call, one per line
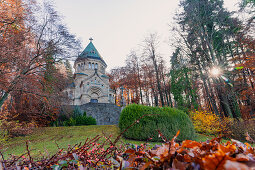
point(91, 52)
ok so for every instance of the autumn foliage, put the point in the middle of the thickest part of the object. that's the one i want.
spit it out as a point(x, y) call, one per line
point(194, 155)
point(212, 154)
point(33, 41)
point(208, 122)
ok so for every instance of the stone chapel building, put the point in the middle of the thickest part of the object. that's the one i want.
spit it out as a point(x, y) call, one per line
point(91, 84)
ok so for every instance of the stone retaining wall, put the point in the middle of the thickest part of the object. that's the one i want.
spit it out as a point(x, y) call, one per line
point(104, 113)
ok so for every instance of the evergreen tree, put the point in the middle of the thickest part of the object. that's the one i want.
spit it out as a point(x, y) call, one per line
point(207, 31)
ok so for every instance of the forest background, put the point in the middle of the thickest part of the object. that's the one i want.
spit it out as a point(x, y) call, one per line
point(212, 68)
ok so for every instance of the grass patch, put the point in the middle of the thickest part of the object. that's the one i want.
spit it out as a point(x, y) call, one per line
point(45, 139)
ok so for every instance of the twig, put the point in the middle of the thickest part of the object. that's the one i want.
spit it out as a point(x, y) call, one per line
point(57, 144)
point(162, 136)
point(3, 162)
point(2, 156)
point(248, 138)
point(28, 153)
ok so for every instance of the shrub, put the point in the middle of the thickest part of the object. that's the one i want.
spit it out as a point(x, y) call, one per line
point(237, 129)
point(14, 128)
point(211, 124)
point(168, 120)
point(84, 120)
point(76, 119)
point(3, 132)
point(206, 122)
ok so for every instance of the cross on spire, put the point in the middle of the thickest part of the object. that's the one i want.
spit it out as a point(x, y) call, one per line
point(91, 39)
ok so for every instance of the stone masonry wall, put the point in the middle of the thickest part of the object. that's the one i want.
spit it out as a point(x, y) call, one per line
point(104, 113)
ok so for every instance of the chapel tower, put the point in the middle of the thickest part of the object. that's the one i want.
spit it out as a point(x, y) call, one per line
point(91, 84)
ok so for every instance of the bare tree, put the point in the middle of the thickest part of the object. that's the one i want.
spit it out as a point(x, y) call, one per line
point(150, 50)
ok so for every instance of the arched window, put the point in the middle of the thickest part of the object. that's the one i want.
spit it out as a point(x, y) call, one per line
point(96, 66)
point(92, 65)
point(79, 67)
point(82, 66)
point(89, 65)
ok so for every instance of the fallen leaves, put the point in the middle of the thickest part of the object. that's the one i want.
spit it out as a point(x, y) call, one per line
point(195, 155)
point(209, 155)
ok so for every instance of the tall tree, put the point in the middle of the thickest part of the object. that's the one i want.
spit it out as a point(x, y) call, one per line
point(206, 29)
point(150, 49)
point(32, 40)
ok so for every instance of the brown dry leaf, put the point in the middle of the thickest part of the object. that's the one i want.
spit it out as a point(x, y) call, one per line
point(242, 158)
point(187, 158)
point(174, 146)
point(229, 148)
point(162, 152)
point(131, 160)
point(179, 165)
point(232, 165)
point(130, 151)
point(146, 165)
point(215, 161)
point(238, 143)
point(191, 144)
point(248, 149)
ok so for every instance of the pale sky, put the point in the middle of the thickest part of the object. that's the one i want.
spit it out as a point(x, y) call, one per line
point(118, 26)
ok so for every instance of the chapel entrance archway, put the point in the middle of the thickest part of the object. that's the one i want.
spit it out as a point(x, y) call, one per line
point(94, 93)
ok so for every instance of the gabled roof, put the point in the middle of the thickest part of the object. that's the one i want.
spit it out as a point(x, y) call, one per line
point(91, 52)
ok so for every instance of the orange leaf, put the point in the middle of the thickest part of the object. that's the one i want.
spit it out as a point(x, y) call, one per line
point(191, 144)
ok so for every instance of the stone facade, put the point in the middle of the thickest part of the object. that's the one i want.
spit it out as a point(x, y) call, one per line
point(91, 84)
point(90, 89)
point(104, 113)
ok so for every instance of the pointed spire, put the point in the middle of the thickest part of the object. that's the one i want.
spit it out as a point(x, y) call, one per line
point(91, 52)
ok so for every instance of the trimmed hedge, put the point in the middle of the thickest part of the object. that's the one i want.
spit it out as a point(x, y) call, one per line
point(167, 120)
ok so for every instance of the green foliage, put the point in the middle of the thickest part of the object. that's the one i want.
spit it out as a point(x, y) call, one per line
point(84, 120)
point(167, 120)
point(77, 111)
point(181, 88)
point(78, 118)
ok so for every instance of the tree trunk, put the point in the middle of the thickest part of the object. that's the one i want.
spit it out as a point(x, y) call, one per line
point(170, 97)
point(211, 100)
point(157, 77)
point(163, 78)
point(140, 84)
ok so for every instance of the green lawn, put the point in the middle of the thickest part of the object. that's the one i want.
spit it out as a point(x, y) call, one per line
point(45, 139)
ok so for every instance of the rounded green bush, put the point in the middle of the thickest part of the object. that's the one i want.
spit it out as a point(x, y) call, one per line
point(167, 120)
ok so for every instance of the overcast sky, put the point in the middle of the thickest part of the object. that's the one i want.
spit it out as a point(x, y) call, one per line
point(118, 26)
